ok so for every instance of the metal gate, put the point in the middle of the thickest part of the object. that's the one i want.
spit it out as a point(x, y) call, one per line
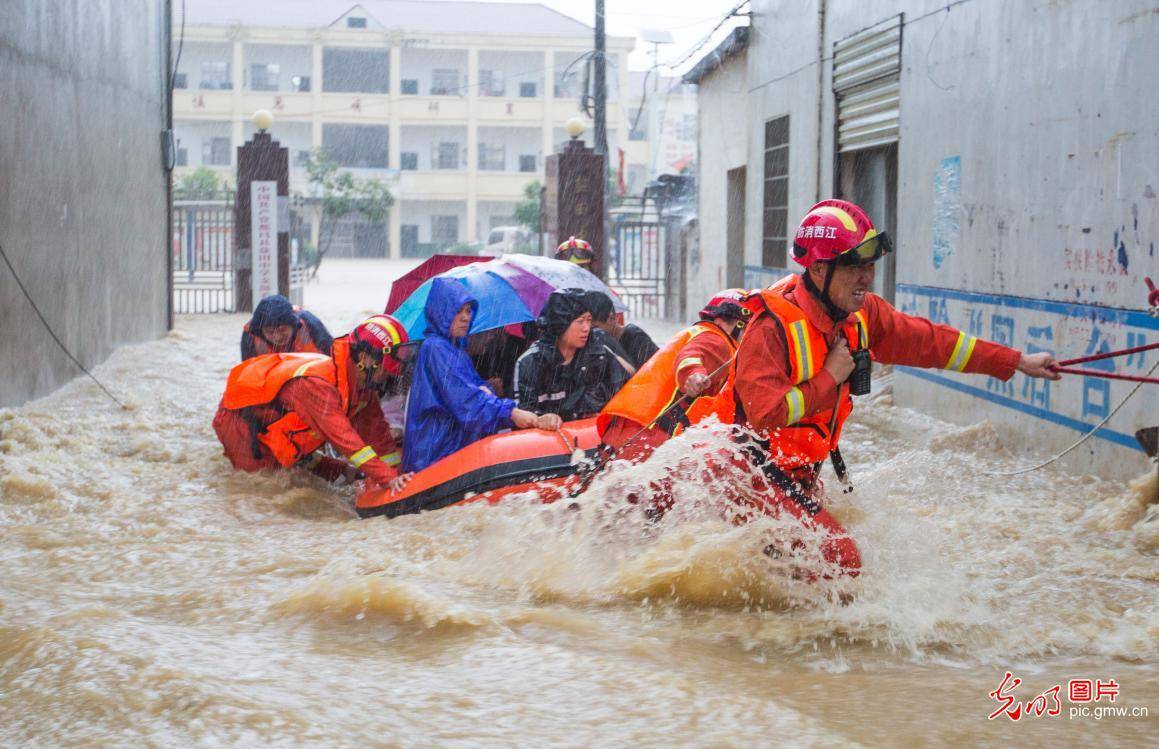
point(638, 270)
point(203, 239)
point(203, 256)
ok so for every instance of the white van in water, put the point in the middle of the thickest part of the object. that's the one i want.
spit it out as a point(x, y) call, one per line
point(507, 239)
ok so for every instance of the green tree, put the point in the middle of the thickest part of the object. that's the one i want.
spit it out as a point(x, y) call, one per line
point(527, 210)
point(342, 195)
point(200, 184)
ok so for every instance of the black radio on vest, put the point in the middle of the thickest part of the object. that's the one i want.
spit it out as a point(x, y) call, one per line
point(859, 383)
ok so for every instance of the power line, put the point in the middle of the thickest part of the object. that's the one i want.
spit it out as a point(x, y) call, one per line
point(811, 63)
point(48, 327)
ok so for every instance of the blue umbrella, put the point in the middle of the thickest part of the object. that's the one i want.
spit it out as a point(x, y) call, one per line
point(499, 302)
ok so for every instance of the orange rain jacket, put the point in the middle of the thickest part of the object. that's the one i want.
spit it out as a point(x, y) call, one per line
point(279, 408)
point(783, 391)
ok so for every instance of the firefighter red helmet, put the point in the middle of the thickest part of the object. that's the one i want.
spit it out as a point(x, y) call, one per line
point(729, 303)
point(575, 250)
point(385, 338)
point(838, 231)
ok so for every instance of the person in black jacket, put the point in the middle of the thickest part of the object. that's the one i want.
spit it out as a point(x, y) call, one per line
point(636, 345)
point(570, 370)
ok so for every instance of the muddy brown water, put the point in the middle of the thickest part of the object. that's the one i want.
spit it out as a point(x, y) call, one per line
point(153, 597)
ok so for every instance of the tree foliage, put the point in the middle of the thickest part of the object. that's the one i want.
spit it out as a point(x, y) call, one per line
point(527, 209)
point(200, 184)
point(342, 194)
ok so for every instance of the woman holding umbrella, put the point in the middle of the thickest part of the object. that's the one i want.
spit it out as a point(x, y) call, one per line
point(449, 405)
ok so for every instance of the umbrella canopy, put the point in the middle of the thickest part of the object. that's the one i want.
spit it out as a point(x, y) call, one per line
point(406, 284)
point(511, 289)
point(561, 274)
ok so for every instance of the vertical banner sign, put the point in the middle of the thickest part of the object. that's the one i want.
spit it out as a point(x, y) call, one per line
point(264, 237)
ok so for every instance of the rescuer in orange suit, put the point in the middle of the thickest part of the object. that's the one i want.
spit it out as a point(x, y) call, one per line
point(809, 347)
point(681, 383)
point(279, 409)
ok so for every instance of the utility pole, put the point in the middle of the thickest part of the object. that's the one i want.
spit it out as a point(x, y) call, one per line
point(601, 92)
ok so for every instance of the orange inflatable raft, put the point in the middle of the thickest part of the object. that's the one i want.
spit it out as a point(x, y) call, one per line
point(492, 468)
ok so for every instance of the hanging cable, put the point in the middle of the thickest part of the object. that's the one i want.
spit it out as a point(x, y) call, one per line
point(48, 327)
point(1082, 439)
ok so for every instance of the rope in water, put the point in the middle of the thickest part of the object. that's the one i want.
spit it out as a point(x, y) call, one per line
point(1086, 436)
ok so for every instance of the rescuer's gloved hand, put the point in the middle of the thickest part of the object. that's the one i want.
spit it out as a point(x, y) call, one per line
point(839, 362)
point(696, 384)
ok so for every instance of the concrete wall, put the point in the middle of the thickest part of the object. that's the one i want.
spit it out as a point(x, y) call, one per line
point(1027, 208)
point(722, 145)
point(82, 190)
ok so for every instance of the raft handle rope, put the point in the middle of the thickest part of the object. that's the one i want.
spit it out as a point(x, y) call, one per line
point(1138, 384)
point(48, 327)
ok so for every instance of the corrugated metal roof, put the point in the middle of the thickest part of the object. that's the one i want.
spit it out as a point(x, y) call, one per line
point(405, 15)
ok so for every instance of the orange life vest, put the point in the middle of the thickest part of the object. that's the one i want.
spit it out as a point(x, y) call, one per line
point(653, 390)
point(806, 439)
point(257, 381)
point(301, 343)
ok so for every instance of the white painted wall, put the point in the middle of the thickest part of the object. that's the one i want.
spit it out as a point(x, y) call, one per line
point(722, 145)
point(1046, 241)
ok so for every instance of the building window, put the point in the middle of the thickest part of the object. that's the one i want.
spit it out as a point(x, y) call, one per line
point(775, 235)
point(179, 80)
point(444, 81)
point(363, 71)
point(355, 23)
point(215, 76)
point(446, 156)
point(492, 158)
point(527, 163)
point(491, 83)
point(408, 161)
point(444, 231)
point(300, 83)
point(215, 152)
point(264, 77)
point(640, 120)
point(410, 86)
point(527, 90)
point(182, 156)
point(357, 146)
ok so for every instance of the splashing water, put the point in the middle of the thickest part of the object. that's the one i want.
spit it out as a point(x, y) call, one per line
point(152, 595)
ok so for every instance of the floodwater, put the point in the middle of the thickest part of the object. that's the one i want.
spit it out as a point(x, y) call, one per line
point(153, 597)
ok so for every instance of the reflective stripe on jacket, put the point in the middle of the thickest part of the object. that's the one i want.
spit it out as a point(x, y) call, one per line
point(654, 389)
point(807, 439)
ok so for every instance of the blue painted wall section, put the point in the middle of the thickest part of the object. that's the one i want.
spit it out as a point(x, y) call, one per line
point(947, 208)
point(1064, 329)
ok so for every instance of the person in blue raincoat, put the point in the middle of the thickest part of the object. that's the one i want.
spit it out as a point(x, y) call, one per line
point(449, 405)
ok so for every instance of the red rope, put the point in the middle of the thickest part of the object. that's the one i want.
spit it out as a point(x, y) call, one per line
point(1109, 355)
point(1107, 375)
